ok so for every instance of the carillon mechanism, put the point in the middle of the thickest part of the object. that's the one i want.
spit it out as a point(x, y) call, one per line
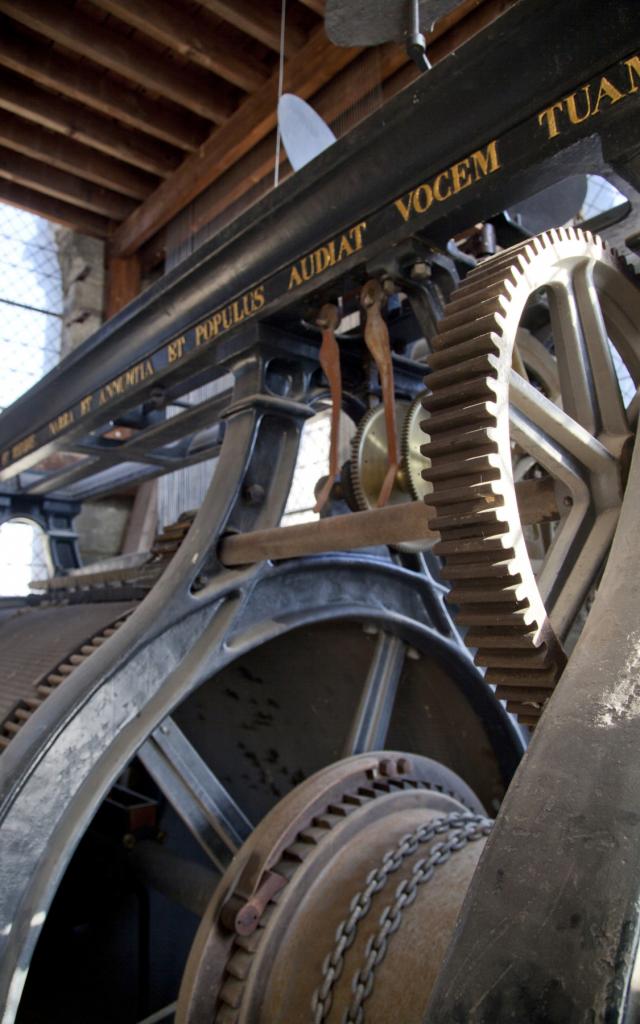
point(264, 770)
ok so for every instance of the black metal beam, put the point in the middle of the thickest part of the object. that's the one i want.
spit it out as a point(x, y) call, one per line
point(469, 166)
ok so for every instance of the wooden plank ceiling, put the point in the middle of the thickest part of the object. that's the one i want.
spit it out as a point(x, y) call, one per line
point(115, 114)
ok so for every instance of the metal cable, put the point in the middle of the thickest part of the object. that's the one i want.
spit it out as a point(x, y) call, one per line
point(276, 170)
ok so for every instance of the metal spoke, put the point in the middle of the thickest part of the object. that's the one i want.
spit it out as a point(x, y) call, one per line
point(576, 382)
point(371, 723)
point(195, 793)
point(633, 410)
point(561, 429)
point(547, 453)
point(612, 418)
point(575, 570)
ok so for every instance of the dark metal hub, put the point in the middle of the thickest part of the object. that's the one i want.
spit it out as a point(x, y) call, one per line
point(341, 904)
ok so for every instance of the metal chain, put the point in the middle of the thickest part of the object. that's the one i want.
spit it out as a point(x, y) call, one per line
point(466, 827)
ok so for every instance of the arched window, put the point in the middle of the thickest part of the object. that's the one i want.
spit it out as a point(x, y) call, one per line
point(31, 308)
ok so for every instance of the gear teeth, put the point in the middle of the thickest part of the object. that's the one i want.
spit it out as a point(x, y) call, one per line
point(22, 712)
point(243, 949)
point(474, 503)
point(485, 344)
point(363, 501)
point(412, 466)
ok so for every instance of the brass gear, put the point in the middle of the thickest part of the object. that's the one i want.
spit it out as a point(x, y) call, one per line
point(369, 459)
point(413, 461)
point(470, 452)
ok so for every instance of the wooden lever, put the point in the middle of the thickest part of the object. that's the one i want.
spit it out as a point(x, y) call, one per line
point(328, 320)
point(376, 336)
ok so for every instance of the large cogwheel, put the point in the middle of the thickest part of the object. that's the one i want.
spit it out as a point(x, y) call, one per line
point(480, 408)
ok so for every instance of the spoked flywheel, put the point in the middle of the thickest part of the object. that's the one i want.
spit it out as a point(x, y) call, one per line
point(481, 405)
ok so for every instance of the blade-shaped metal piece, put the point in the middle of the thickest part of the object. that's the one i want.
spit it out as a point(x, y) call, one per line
point(304, 134)
point(371, 22)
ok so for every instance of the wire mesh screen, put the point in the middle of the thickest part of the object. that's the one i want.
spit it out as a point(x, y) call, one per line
point(31, 302)
point(31, 307)
point(313, 463)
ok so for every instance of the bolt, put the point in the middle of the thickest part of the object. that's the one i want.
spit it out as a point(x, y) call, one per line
point(567, 501)
point(129, 841)
point(386, 767)
point(370, 629)
point(164, 729)
point(388, 286)
point(404, 766)
point(412, 654)
point(254, 494)
point(420, 270)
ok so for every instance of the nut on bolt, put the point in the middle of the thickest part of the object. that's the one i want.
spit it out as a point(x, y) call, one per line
point(254, 494)
point(420, 270)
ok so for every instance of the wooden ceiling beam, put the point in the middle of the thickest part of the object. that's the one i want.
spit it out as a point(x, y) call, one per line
point(73, 217)
point(350, 86)
point(67, 155)
point(89, 86)
point(70, 189)
point(314, 65)
point(189, 88)
point(123, 283)
point(386, 67)
point(21, 97)
point(174, 27)
point(255, 19)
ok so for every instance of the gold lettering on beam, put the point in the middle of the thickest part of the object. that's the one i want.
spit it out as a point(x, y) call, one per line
point(576, 116)
point(589, 100)
point(606, 90)
point(551, 120)
point(131, 378)
point(480, 164)
point(85, 405)
point(438, 188)
point(21, 448)
point(61, 422)
point(175, 349)
point(633, 67)
point(461, 175)
point(229, 316)
point(327, 255)
point(486, 163)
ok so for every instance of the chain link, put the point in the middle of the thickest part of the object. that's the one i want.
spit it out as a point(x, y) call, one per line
point(465, 827)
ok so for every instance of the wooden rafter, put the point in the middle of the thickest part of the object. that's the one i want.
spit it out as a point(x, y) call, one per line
point(314, 65)
point(53, 209)
point(191, 88)
point(67, 155)
point(256, 19)
point(360, 78)
point(95, 89)
point(38, 106)
point(42, 178)
point(174, 27)
point(66, 136)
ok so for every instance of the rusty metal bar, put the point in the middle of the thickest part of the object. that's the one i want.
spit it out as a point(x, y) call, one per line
point(391, 525)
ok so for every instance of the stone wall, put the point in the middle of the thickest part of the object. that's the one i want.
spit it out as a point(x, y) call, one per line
point(82, 265)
